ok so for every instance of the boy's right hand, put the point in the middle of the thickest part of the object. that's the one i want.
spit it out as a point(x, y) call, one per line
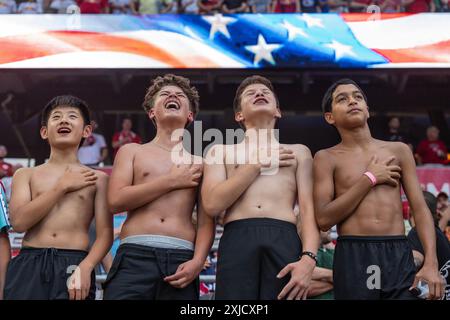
point(186, 175)
point(76, 180)
point(384, 172)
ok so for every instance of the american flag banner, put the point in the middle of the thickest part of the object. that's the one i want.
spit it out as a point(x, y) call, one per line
point(225, 41)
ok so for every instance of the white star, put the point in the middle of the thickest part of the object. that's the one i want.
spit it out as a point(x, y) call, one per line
point(311, 21)
point(340, 50)
point(263, 51)
point(293, 31)
point(219, 23)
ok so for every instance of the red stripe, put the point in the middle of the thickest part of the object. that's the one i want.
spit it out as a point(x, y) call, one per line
point(438, 52)
point(360, 17)
point(23, 47)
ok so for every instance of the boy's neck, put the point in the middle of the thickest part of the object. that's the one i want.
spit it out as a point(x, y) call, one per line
point(168, 137)
point(267, 123)
point(64, 156)
point(356, 137)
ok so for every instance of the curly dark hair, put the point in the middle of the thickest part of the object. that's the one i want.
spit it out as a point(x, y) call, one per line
point(172, 80)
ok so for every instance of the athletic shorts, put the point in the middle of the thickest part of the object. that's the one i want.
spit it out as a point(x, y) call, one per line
point(42, 274)
point(251, 254)
point(138, 273)
point(374, 268)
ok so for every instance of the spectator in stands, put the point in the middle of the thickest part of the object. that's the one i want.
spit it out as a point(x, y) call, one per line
point(94, 149)
point(122, 6)
point(322, 279)
point(393, 133)
point(260, 6)
point(442, 200)
point(234, 6)
point(5, 246)
point(324, 7)
point(431, 150)
point(61, 6)
point(360, 5)
point(310, 6)
point(125, 136)
point(390, 6)
point(155, 6)
point(443, 210)
point(30, 7)
point(286, 6)
point(338, 6)
point(185, 7)
point(8, 6)
point(417, 6)
point(442, 6)
point(209, 6)
point(93, 6)
point(6, 169)
point(442, 244)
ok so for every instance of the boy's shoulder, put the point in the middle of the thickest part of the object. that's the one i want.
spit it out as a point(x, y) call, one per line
point(297, 148)
point(395, 146)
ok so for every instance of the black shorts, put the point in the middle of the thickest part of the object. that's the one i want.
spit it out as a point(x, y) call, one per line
point(251, 254)
point(41, 274)
point(138, 273)
point(373, 268)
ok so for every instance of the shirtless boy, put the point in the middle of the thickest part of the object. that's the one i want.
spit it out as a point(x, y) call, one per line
point(260, 253)
point(357, 187)
point(157, 259)
point(54, 204)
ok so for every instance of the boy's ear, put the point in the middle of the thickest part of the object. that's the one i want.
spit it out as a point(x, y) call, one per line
point(44, 133)
point(87, 131)
point(190, 116)
point(151, 114)
point(238, 116)
point(329, 117)
point(278, 113)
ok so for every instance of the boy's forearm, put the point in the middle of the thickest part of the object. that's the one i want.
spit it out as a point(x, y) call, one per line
point(343, 206)
point(28, 215)
point(204, 240)
point(225, 194)
point(135, 196)
point(427, 236)
point(5, 257)
point(99, 249)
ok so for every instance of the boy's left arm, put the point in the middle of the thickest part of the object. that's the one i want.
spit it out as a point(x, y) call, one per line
point(81, 282)
point(424, 223)
point(5, 256)
point(302, 270)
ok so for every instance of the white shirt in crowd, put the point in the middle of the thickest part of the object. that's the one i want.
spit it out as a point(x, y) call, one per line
point(92, 154)
point(8, 6)
point(61, 5)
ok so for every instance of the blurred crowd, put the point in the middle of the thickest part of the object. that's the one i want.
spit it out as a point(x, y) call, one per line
point(219, 6)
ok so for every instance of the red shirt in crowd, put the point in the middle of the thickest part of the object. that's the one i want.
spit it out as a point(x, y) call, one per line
point(419, 6)
point(126, 137)
point(432, 151)
point(6, 169)
point(92, 6)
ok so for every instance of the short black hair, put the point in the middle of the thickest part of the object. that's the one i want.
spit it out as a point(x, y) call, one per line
point(66, 101)
point(328, 97)
point(442, 195)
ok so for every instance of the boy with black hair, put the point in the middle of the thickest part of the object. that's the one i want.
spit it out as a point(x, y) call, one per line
point(54, 204)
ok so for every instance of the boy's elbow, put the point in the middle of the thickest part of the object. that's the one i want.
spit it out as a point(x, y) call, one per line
point(115, 205)
point(17, 225)
point(211, 209)
point(323, 223)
